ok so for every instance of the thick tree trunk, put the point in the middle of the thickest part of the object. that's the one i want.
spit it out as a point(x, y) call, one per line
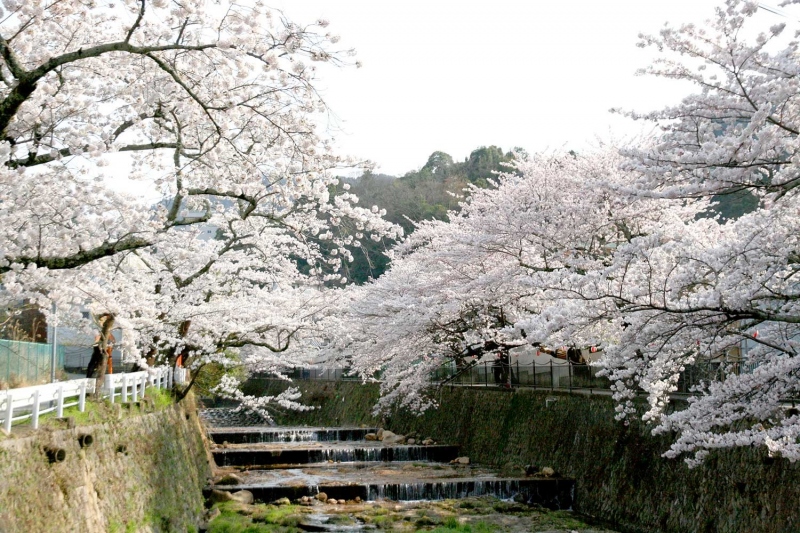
point(106, 325)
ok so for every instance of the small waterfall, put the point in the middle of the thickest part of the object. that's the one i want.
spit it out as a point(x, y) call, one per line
point(263, 436)
point(444, 490)
point(274, 435)
point(385, 454)
point(336, 454)
point(293, 435)
point(351, 454)
point(300, 468)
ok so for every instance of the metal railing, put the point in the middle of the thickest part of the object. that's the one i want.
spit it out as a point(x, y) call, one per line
point(552, 375)
point(32, 402)
point(321, 374)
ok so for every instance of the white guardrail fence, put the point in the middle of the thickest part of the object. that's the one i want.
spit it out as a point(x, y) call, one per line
point(32, 402)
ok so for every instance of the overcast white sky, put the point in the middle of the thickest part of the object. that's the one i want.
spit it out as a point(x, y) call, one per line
point(453, 76)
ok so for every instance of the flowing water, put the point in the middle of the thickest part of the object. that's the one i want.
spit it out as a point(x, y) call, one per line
point(310, 465)
point(286, 462)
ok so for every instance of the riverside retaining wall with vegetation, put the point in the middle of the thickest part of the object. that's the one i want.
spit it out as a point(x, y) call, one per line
point(143, 472)
point(621, 476)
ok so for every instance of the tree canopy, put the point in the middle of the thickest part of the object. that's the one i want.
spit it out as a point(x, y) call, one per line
point(209, 111)
point(678, 250)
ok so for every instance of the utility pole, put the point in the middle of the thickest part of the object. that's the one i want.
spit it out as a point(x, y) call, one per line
point(54, 345)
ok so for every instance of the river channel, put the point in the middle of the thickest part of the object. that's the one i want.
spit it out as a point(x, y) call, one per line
point(344, 479)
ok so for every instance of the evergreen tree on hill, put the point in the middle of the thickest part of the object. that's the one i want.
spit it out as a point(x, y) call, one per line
point(424, 194)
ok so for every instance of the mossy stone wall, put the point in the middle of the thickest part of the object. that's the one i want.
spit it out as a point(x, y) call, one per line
point(142, 474)
point(621, 476)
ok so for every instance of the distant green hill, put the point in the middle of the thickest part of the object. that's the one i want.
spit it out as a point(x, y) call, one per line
point(425, 194)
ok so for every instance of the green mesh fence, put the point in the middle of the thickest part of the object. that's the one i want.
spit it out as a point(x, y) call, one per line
point(27, 362)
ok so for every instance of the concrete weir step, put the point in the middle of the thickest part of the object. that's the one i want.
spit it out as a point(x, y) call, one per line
point(264, 457)
point(553, 493)
point(258, 435)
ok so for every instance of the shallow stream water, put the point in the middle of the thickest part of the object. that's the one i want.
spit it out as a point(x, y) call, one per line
point(338, 481)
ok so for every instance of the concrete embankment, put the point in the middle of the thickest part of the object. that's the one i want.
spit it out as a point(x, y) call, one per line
point(143, 472)
point(621, 476)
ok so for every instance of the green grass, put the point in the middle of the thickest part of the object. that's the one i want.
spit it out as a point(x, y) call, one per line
point(265, 519)
point(452, 525)
point(380, 521)
point(117, 527)
point(162, 398)
point(284, 515)
point(235, 523)
point(94, 412)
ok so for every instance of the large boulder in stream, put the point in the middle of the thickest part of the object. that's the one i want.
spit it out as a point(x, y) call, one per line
point(391, 438)
point(219, 496)
point(243, 496)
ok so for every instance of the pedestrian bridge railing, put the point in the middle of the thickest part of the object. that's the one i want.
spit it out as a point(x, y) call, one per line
point(32, 402)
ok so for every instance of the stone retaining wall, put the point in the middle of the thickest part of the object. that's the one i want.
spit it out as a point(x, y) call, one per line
point(621, 476)
point(141, 474)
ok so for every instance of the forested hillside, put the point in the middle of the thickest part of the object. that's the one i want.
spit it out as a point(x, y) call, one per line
point(424, 194)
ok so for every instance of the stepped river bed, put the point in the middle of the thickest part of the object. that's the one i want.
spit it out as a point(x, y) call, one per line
point(273, 479)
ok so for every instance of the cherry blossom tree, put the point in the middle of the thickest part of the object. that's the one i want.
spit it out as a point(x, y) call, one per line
point(703, 288)
point(501, 273)
point(625, 250)
point(209, 111)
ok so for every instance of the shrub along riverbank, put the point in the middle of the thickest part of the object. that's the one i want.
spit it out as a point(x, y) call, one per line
point(621, 476)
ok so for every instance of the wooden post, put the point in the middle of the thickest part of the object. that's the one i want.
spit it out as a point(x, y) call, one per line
point(35, 415)
point(9, 412)
point(124, 388)
point(144, 384)
point(60, 404)
point(135, 390)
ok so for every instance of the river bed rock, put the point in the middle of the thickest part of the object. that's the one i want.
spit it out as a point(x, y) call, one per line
point(243, 496)
point(476, 514)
